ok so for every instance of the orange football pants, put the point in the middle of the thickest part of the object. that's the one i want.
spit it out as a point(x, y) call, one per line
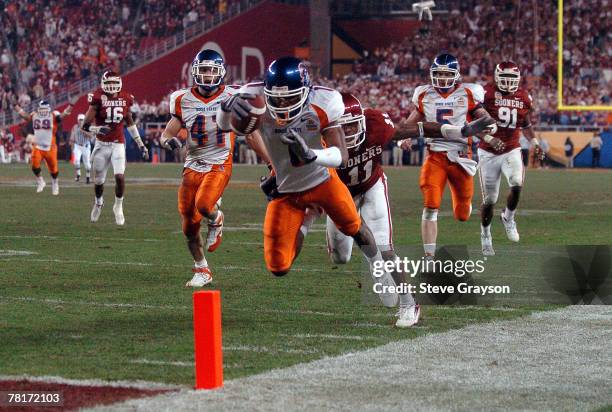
point(49, 156)
point(198, 194)
point(285, 215)
point(436, 171)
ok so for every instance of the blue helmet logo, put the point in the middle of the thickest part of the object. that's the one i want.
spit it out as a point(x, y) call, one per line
point(444, 71)
point(286, 88)
point(208, 69)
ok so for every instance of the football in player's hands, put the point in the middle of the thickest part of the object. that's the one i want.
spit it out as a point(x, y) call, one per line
point(246, 113)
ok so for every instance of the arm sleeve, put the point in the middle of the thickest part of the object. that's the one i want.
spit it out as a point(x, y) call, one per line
point(176, 109)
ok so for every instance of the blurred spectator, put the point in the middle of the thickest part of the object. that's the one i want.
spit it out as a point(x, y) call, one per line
point(569, 152)
point(596, 144)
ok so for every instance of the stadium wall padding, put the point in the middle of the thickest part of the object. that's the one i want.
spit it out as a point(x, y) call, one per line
point(584, 158)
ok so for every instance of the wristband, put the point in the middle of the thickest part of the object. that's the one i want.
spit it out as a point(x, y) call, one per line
point(330, 157)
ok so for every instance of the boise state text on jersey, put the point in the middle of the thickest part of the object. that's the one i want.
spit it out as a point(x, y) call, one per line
point(364, 164)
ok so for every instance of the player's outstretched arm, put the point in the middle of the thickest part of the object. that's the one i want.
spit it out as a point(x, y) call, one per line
point(23, 114)
point(334, 138)
point(255, 142)
point(168, 137)
point(131, 126)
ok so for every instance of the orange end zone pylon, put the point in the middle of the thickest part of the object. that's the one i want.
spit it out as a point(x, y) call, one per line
point(207, 339)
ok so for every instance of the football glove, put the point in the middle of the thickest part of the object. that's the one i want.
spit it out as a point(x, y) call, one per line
point(238, 105)
point(269, 187)
point(538, 152)
point(478, 126)
point(101, 130)
point(173, 143)
point(144, 153)
point(299, 152)
point(497, 144)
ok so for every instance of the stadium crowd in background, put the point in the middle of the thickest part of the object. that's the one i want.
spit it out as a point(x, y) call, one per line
point(49, 45)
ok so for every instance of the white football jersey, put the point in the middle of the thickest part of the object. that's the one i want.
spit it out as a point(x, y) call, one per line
point(45, 129)
point(323, 108)
point(207, 145)
point(453, 108)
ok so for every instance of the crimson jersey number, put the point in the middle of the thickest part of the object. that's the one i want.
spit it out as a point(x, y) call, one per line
point(366, 172)
point(114, 115)
point(42, 124)
point(200, 135)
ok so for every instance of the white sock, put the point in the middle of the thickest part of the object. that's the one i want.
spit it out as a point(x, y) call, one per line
point(118, 201)
point(429, 248)
point(509, 214)
point(201, 264)
point(54, 180)
point(309, 218)
point(40, 178)
point(406, 300)
point(87, 173)
point(485, 230)
point(374, 258)
point(99, 200)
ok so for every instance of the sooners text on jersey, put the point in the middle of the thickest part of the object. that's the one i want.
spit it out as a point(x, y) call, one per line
point(511, 112)
point(110, 112)
point(364, 164)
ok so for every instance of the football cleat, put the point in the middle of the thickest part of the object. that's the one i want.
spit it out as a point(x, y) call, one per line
point(77, 178)
point(96, 211)
point(40, 185)
point(201, 277)
point(487, 245)
point(118, 211)
point(510, 226)
point(215, 232)
point(55, 188)
point(408, 316)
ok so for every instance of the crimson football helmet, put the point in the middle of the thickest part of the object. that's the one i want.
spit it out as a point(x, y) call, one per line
point(352, 121)
point(507, 76)
point(111, 82)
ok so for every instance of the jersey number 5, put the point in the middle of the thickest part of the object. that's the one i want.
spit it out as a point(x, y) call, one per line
point(442, 115)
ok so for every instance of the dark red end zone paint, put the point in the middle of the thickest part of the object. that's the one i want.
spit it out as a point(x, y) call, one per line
point(74, 396)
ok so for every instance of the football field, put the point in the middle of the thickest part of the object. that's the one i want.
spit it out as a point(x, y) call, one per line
point(98, 301)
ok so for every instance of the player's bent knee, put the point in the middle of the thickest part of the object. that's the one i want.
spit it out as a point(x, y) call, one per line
point(490, 200)
point(462, 212)
point(279, 273)
point(430, 214)
point(350, 229)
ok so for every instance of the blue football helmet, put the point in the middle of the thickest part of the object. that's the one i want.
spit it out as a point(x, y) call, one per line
point(208, 69)
point(43, 109)
point(447, 64)
point(286, 87)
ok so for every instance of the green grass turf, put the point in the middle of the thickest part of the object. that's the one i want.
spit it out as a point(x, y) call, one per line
point(55, 317)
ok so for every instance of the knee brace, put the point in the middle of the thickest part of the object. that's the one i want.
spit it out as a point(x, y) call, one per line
point(430, 214)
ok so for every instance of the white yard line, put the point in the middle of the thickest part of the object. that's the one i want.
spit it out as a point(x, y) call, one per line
point(327, 336)
point(556, 360)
